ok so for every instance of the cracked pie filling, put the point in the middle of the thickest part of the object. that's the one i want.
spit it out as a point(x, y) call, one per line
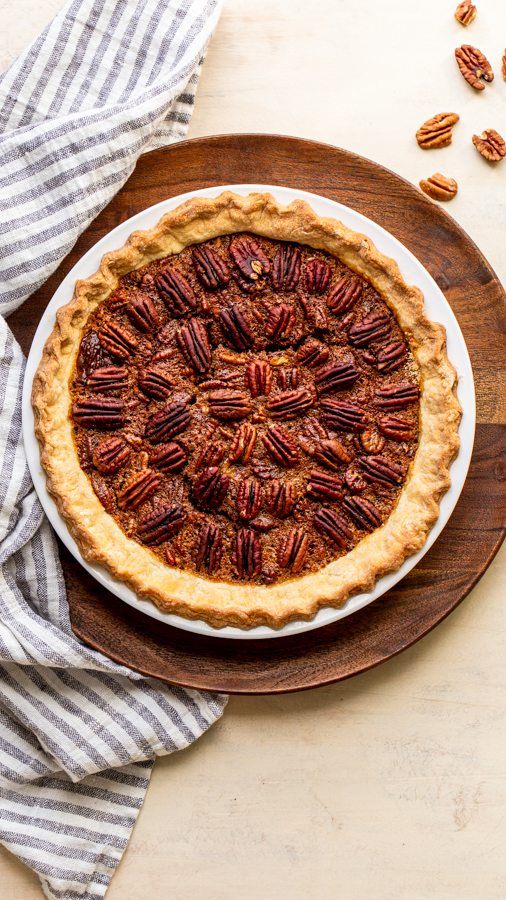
point(232, 409)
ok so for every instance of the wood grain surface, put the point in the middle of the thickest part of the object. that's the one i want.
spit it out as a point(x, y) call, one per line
point(476, 529)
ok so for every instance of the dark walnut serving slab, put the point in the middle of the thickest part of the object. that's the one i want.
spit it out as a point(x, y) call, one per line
point(477, 527)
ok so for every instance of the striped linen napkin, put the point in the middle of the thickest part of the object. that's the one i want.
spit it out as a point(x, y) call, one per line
point(106, 81)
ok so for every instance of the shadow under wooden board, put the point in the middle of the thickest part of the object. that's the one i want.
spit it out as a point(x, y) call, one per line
point(477, 527)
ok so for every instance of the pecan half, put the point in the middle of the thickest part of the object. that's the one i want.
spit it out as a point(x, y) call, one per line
point(171, 420)
point(168, 457)
point(193, 342)
point(316, 276)
point(323, 486)
point(362, 512)
point(263, 472)
point(117, 340)
point(108, 379)
point(247, 553)
point(312, 354)
point(212, 271)
point(293, 550)
point(437, 131)
point(85, 452)
point(336, 377)
point(438, 187)
point(382, 471)
point(110, 455)
point(138, 488)
point(229, 405)
point(286, 268)
point(161, 524)
point(332, 454)
point(503, 66)
point(342, 416)
point(143, 313)
point(155, 382)
point(249, 498)
point(315, 428)
point(249, 258)
point(242, 444)
point(215, 383)
point(263, 523)
point(373, 326)
point(354, 481)
point(281, 446)
point(372, 442)
point(103, 493)
point(281, 379)
point(259, 377)
point(99, 412)
point(473, 66)
point(280, 321)
point(395, 428)
point(89, 356)
point(175, 292)
point(344, 294)
point(280, 498)
point(397, 396)
point(306, 445)
point(236, 328)
point(320, 318)
point(391, 357)
point(289, 404)
point(211, 455)
point(465, 12)
point(250, 287)
point(209, 547)
point(211, 488)
point(170, 556)
point(332, 525)
point(490, 145)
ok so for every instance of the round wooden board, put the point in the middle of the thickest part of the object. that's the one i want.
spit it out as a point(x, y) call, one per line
point(477, 527)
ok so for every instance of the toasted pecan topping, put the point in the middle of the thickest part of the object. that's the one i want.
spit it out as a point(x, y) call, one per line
point(261, 406)
point(293, 550)
point(110, 455)
point(212, 271)
point(210, 488)
point(175, 292)
point(286, 268)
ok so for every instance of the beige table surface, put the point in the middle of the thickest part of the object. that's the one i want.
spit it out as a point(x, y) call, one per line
point(391, 785)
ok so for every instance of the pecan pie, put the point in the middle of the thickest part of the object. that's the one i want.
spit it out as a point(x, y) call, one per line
point(245, 414)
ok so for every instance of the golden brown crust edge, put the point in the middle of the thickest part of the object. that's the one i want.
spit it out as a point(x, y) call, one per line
point(100, 539)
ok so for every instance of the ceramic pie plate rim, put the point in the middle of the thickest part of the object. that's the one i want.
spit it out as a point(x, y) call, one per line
point(437, 308)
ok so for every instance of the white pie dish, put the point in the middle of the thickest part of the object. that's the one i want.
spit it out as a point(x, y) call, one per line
point(436, 308)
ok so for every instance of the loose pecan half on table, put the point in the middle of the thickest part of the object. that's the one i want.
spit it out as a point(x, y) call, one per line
point(490, 145)
point(474, 66)
point(439, 187)
point(437, 131)
point(465, 12)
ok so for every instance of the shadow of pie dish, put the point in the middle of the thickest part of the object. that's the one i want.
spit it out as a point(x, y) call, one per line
point(245, 414)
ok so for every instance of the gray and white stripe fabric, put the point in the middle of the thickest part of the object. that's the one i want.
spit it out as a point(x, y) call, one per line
point(106, 81)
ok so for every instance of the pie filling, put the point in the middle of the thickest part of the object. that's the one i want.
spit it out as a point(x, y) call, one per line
point(247, 409)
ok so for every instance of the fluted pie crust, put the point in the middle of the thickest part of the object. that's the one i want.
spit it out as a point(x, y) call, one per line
point(173, 590)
